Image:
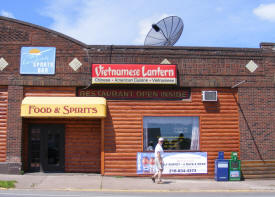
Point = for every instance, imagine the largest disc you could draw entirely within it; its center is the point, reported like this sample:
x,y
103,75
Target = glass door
x,y
46,148
34,149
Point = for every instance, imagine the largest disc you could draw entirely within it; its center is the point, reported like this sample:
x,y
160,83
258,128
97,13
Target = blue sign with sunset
x,y
37,60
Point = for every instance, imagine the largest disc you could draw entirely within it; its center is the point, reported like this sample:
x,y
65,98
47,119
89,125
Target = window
x,y
179,133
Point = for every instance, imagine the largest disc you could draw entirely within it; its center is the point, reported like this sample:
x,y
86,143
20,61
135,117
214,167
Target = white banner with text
x,y
174,163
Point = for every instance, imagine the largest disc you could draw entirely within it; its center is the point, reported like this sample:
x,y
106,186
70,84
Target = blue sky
x,y
212,23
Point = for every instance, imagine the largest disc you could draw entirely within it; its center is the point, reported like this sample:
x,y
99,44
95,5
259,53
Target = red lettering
x,y
67,111
94,110
30,108
34,109
43,110
81,110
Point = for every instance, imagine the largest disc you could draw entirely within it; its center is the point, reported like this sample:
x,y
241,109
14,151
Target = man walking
x,y
158,161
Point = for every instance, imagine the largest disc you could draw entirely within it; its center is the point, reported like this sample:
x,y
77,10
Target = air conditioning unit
x,y
209,96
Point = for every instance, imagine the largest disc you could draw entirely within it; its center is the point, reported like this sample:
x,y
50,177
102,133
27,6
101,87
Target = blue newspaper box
x,y
220,155
221,169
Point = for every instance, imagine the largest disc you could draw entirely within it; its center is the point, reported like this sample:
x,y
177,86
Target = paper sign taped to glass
x,y
174,163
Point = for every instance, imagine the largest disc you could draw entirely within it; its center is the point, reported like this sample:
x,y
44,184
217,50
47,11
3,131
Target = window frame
x,y
168,116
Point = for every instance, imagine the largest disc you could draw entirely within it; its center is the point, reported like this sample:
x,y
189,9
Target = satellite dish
x,y
165,33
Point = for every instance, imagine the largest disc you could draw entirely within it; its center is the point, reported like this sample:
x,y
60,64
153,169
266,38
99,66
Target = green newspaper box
x,y
234,167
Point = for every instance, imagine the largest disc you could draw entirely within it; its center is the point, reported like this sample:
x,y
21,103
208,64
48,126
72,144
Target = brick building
x,y
241,120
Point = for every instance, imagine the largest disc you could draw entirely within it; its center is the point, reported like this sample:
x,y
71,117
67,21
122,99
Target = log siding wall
x,y
82,146
219,128
3,123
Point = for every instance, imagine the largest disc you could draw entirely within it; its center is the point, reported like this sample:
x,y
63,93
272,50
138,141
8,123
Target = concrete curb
x,y
126,184
148,191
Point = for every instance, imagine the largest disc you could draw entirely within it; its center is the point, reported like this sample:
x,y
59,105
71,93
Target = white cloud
x,y
94,22
6,14
145,26
266,12
119,22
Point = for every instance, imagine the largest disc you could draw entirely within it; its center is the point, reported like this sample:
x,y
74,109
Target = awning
x,y
64,107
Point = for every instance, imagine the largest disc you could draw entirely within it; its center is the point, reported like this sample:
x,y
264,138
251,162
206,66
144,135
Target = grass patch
x,y
7,184
119,177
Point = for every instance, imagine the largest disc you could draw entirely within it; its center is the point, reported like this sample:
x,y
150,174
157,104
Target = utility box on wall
x,y
209,96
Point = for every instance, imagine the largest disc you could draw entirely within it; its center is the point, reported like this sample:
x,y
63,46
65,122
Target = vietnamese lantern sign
x,y
133,74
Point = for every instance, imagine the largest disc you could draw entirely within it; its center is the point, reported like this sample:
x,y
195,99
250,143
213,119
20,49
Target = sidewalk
x,y
95,182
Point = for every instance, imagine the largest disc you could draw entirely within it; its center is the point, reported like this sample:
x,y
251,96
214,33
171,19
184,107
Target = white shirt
x,y
158,149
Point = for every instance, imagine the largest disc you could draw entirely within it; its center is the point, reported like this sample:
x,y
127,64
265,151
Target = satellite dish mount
x,y
165,33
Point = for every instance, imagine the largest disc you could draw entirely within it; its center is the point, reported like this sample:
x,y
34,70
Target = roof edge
x,y
267,45
194,48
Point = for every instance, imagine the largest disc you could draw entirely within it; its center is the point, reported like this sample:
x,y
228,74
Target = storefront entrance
x,y
46,147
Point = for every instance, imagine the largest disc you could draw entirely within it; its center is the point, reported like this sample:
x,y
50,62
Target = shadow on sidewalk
x,y
165,182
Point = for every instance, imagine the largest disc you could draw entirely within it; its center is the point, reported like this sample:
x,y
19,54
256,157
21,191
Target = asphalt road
x,y
40,193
